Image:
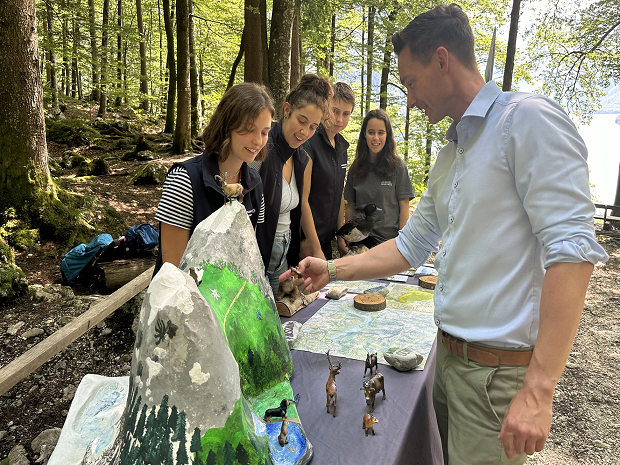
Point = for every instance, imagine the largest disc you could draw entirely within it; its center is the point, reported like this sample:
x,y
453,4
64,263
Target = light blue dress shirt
x,y
508,196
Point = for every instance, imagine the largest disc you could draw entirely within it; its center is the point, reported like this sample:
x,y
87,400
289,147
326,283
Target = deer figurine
x,y
330,387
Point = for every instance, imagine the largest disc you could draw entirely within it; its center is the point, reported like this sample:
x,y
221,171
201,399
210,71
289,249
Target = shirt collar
x,y
341,144
279,142
479,107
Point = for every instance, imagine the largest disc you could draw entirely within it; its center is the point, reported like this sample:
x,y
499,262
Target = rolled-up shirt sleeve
x,y
551,175
421,234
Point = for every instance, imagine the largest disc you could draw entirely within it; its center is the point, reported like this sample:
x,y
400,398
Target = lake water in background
x,y
602,138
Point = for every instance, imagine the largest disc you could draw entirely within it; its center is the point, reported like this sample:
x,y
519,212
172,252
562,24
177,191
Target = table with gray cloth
x,y
407,429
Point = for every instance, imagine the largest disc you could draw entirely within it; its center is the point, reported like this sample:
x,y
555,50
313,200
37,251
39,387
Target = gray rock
x,y
18,456
65,320
2,434
402,358
13,329
33,332
42,294
380,290
291,331
146,155
151,173
44,443
68,392
336,292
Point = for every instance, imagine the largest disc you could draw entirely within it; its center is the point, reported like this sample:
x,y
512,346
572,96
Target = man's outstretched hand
x,y
314,273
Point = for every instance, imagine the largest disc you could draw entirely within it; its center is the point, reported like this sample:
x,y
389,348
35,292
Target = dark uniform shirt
x,y
329,167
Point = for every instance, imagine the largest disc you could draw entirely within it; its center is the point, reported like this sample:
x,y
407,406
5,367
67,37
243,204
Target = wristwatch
x,y
331,270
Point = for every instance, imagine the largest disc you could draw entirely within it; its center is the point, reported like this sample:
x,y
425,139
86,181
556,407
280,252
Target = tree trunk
x,y
74,61
252,43
193,74
363,90
512,45
280,52
406,137
23,149
332,46
201,83
296,48
617,198
93,51
119,53
233,71
429,146
103,97
387,58
52,58
262,7
172,72
371,38
66,88
182,132
144,84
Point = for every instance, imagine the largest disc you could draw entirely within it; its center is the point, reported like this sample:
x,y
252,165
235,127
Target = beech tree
x,y
182,132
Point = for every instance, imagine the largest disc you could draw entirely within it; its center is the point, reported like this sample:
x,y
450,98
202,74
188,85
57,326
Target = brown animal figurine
x,y
284,431
277,412
231,191
330,387
371,388
368,423
371,360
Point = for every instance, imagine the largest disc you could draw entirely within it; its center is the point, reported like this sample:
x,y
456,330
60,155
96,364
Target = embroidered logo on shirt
x,y
386,183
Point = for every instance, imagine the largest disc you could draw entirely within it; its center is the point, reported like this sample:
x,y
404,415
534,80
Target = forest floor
x,y
586,421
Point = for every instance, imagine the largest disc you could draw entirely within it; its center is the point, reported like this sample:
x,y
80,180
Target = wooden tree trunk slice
x,y
369,302
427,282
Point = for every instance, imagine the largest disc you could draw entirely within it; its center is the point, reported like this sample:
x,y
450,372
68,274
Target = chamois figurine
x,y
284,432
368,423
371,360
330,387
231,191
371,388
277,412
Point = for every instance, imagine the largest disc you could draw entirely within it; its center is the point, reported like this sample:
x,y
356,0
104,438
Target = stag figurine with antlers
x,y
330,387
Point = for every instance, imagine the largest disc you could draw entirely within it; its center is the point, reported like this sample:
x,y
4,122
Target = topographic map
x,y
407,321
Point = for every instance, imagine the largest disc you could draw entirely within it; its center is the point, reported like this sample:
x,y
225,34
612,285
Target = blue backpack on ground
x,y
78,262
142,239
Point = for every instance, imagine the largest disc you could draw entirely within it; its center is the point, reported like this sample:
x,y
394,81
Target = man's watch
x,y
331,270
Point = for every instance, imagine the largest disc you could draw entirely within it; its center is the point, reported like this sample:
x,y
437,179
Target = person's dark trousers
x,y
326,247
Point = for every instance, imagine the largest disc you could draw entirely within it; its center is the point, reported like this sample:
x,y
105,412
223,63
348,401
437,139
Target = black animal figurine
x,y
369,421
371,360
371,388
358,229
277,412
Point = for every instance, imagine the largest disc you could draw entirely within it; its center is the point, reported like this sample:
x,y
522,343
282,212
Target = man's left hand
x,y
527,422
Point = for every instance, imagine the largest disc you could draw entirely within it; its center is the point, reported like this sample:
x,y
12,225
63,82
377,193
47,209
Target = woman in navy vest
x,y
282,174
236,135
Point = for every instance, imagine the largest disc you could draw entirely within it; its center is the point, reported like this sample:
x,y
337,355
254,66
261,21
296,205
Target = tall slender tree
x,y
252,42
172,72
144,83
93,51
370,54
193,75
103,96
119,52
280,51
52,58
387,56
512,45
296,48
182,133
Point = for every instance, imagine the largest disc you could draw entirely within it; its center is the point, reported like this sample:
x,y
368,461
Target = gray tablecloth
x,y
407,429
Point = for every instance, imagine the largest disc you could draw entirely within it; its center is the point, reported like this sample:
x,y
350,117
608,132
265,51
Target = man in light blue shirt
x,y
509,198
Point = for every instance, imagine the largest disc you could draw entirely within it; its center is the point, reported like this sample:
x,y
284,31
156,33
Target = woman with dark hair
x,y
282,174
378,176
236,135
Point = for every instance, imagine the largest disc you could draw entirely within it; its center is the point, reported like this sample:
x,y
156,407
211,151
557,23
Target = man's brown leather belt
x,y
486,355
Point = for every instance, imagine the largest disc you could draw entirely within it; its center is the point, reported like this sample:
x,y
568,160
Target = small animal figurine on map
x,y
231,191
284,431
290,286
371,388
330,387
277,412
371,361
368,423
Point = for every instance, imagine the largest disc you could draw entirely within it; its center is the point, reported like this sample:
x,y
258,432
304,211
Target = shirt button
x,y
461,150
437,322
455,184
443,253
451,219
441,287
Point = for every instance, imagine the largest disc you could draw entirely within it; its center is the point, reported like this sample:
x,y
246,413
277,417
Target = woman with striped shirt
x,y
236,135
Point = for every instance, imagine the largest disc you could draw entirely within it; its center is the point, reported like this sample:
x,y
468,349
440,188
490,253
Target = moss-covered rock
x,y
24,239
73,132
12,281
99,166
6,254
67,157
151,173
79,160
55,168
